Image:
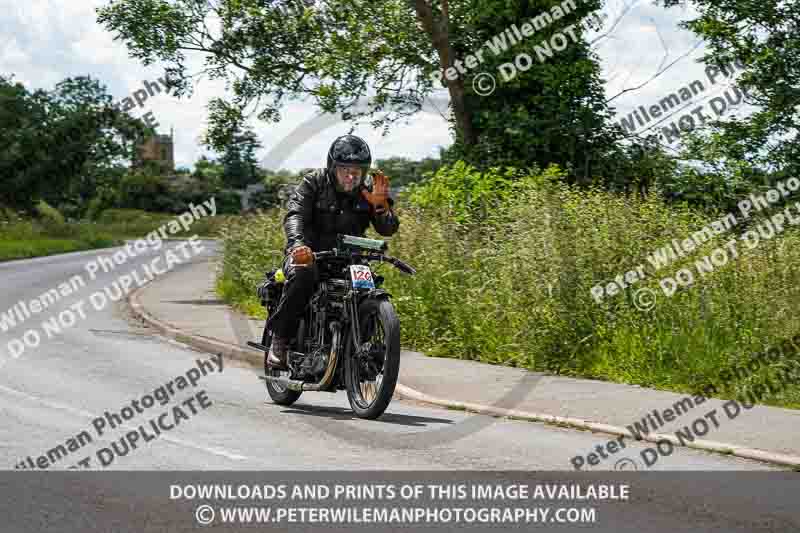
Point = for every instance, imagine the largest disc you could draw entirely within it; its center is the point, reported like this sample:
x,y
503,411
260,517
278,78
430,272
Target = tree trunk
x,y
438,30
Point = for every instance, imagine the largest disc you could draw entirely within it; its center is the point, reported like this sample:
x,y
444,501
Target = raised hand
x,y
379,197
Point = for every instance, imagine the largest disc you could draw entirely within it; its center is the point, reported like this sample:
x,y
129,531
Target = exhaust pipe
x,y
286,383
293,384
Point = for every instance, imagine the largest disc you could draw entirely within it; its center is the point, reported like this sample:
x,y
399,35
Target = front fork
x,y
353,303
355,329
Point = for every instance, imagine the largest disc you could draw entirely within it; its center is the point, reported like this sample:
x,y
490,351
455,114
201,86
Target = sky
x,y
45,41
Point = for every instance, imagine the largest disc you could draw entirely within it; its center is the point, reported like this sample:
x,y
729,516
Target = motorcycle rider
x,y
327,202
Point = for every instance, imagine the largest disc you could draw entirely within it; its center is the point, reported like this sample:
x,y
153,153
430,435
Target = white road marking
x,y
80,412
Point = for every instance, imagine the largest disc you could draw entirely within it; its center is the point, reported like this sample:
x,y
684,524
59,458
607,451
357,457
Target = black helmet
x,y
349,150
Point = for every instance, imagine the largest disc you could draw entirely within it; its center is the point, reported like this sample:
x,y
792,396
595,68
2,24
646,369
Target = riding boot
x,y
277,353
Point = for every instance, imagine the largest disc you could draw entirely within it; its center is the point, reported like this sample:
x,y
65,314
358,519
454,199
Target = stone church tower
x,y
159,149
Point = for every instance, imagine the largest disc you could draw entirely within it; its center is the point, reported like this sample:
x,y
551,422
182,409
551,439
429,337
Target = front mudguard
x,y
352,340
372,293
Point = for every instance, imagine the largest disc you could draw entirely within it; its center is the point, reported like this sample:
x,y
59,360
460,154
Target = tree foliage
x,y
341,52
763,36
239,164
60,146
403,171
552,113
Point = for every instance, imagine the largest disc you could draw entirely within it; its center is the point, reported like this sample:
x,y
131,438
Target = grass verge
x,y
22,239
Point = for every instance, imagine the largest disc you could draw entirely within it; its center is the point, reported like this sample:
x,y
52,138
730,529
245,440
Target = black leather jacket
x,y
317,213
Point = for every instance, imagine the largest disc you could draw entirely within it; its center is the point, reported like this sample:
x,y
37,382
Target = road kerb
x,y
216,346
595,427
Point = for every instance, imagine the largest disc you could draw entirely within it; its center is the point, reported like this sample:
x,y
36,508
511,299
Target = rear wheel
x,y
372,376
279,394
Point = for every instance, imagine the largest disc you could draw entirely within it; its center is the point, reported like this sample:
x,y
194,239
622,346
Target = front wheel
x,y
371,376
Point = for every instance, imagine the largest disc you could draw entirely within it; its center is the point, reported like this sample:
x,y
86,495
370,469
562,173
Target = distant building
x,y
158,149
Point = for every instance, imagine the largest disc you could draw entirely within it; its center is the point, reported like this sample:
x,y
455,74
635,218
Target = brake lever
x,y
399,264
404,267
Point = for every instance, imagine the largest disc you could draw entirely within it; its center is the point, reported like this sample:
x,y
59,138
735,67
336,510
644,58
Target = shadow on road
x,y
340,413
197,302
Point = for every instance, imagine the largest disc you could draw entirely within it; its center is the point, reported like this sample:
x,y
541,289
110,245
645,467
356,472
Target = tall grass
x,y
516,288
20,239
135,223
251,247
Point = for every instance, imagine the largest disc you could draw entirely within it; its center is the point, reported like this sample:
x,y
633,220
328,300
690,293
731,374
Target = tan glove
x,y
379,197
302,256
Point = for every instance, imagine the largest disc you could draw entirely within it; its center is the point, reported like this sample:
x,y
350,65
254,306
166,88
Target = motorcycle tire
x,y
371,312
280,395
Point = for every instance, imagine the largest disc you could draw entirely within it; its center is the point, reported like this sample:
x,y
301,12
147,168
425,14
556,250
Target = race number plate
x,y
362,277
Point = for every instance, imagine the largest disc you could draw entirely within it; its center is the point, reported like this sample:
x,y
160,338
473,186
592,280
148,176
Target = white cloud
x,y
12,54
96,46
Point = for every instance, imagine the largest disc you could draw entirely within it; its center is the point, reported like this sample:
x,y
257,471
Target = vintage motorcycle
x,y
349,335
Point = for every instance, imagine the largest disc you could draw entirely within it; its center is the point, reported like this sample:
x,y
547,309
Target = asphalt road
x,y
53,393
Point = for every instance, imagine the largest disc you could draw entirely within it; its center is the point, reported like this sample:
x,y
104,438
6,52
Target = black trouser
x,y
297,291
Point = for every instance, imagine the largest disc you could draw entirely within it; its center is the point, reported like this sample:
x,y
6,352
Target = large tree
x,y
61,145
339,52
22,115
763,36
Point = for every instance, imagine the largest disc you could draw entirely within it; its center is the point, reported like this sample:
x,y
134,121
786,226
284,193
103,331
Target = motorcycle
x,y
348,337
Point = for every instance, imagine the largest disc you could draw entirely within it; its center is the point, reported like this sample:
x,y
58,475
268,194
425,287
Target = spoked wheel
x,y
371,377
279,394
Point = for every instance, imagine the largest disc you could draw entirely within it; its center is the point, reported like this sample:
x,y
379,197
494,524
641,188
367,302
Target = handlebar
x,y
402,266
323,255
